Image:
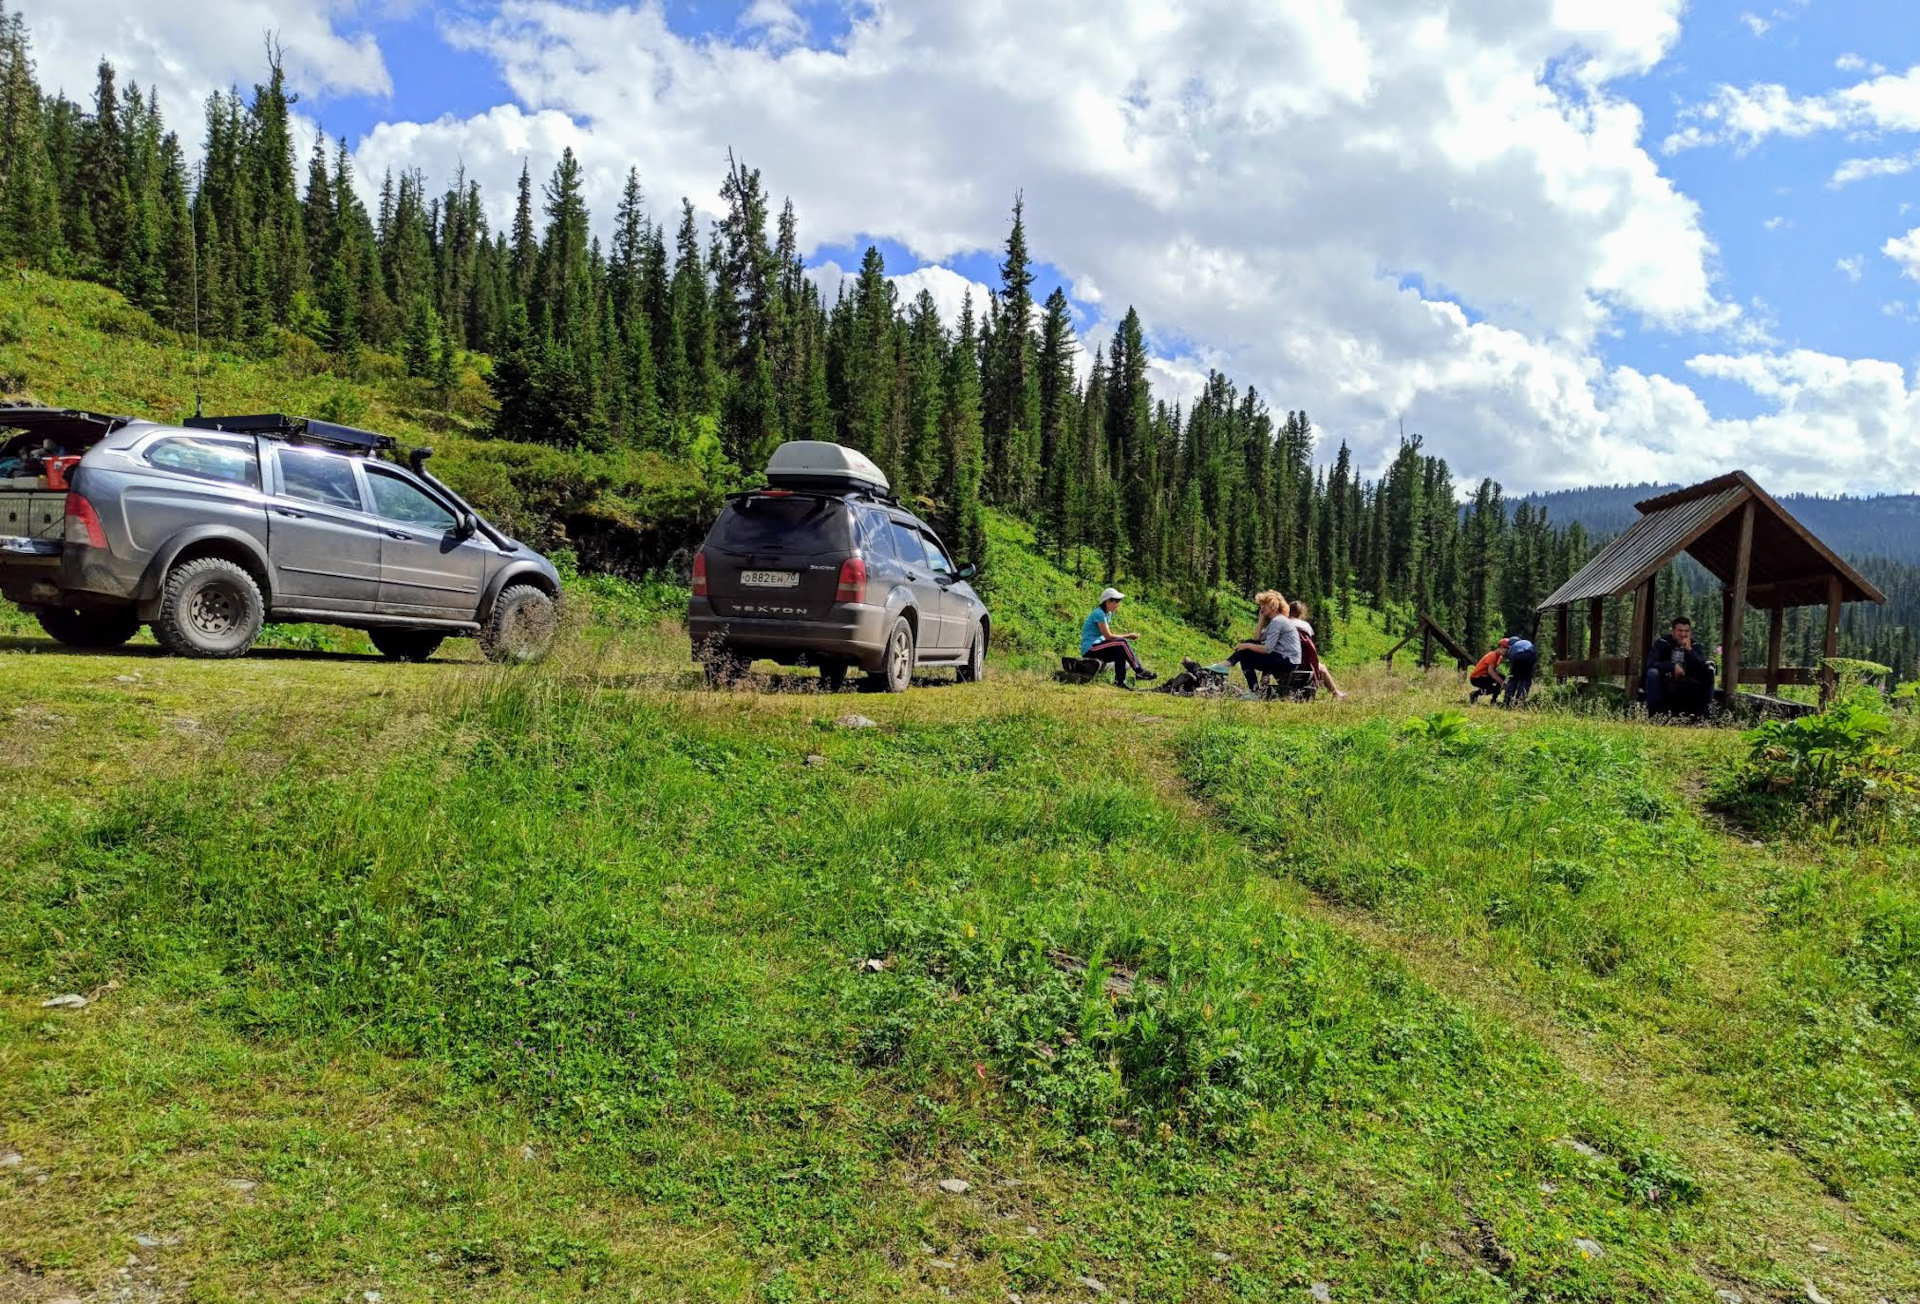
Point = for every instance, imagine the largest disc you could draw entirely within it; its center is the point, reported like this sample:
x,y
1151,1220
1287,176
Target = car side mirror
x,y
469,525
966,572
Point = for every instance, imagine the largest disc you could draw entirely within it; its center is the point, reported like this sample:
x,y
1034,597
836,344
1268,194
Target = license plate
x,y
770,579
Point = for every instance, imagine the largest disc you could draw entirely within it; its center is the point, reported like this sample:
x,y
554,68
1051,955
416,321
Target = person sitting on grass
x,y
1275,649
1679,680
1310,649
1522,660
1100,643
1485,675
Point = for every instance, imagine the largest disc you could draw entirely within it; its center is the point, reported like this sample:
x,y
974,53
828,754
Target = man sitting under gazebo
x,y
1679,680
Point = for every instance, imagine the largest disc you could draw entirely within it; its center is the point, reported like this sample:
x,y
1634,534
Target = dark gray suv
x,y
824,568
207,529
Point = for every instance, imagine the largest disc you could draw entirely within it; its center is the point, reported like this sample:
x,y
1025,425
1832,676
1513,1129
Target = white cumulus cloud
x,y
189,50
1905,251
1745,116
1863,169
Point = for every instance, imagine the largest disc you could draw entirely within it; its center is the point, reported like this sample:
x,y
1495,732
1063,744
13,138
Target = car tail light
x,y
853,581
83,523
699,574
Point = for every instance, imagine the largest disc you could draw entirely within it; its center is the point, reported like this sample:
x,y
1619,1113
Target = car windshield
x,y
793,524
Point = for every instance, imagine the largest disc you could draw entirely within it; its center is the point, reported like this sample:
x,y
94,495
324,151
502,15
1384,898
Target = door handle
x,y
399,534
913,577
288,511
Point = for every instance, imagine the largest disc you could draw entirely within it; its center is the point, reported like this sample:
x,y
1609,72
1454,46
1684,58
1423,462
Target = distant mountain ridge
x,y
1881,526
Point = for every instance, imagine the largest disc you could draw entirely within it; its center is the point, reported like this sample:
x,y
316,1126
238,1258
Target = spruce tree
x,y
103,175
961,516
1011,395
696,382
30,228
1059,403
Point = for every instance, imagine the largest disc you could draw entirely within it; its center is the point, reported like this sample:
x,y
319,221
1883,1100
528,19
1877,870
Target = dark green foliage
x,y
1845,770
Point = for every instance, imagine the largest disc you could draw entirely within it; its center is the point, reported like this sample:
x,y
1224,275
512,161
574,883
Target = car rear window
x,y
791,524
207,459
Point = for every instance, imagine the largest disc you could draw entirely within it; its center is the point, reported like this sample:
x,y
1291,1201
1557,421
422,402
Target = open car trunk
x,y
39,447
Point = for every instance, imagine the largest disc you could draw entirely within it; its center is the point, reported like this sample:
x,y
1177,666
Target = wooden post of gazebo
x,y
1640,639
1735,633
1830,642
1776,637
1596,627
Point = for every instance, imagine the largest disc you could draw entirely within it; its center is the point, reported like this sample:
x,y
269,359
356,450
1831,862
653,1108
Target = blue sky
x,y
1565,243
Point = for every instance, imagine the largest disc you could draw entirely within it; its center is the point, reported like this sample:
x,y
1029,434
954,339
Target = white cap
x,y
1113,595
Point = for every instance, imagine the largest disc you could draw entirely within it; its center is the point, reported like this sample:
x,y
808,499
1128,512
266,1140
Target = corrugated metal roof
x,y
1647,545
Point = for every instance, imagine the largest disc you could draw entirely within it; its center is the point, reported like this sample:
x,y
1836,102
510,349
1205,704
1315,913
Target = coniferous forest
x,y
705,344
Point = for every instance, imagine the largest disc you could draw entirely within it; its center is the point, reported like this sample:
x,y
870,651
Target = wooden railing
x,y
1591,668
1800,676
1616,668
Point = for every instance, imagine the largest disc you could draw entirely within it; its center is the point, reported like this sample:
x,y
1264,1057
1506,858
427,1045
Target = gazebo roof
x,y
1789,567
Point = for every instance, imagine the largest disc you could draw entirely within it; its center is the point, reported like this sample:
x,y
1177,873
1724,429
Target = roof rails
x,y
299,430
832,492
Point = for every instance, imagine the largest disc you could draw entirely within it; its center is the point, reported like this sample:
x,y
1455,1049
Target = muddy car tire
x,y
974,668
895,674
209,608
88,629
406,644
521,627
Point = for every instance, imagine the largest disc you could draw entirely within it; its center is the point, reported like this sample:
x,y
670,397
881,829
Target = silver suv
x,y
208,529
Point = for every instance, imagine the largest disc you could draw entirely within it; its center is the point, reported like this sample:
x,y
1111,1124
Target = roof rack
x,y
298,430
830,492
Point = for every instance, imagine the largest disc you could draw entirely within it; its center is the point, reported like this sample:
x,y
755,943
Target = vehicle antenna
x,y
193,270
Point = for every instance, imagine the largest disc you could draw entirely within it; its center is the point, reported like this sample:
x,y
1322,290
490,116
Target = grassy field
x,y
582,981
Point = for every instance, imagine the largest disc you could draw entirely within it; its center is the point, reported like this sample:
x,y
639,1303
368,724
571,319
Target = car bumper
x,y
851,631
98,573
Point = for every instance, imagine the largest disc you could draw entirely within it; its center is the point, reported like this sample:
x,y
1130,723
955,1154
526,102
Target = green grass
x,y
634,924
381,933
1568,858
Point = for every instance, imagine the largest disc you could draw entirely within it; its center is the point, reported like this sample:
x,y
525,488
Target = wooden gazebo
x,y
1750,543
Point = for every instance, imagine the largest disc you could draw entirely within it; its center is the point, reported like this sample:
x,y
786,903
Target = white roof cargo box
x,y
814,463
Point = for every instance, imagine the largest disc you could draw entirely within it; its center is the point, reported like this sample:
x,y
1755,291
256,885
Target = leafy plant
x,y
1841,766
1447,732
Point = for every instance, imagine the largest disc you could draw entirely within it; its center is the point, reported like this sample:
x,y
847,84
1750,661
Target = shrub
x,y
1842,768
1446,732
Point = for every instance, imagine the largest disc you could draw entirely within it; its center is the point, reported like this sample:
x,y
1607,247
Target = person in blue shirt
x,y
1522,660
1099,642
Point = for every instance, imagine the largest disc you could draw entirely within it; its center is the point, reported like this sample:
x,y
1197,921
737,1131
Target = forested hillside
x,y
678,353
1887,525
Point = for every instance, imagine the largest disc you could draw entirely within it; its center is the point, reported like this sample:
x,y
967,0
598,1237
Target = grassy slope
x,y
544,983
1038,608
